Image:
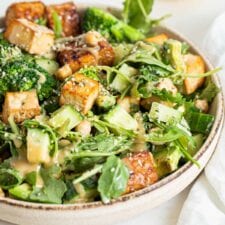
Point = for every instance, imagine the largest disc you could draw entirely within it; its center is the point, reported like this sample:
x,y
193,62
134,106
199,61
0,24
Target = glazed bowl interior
x,y
216,110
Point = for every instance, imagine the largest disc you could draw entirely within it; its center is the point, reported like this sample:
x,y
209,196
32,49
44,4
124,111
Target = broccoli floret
x,y
8,51
109,26
24,74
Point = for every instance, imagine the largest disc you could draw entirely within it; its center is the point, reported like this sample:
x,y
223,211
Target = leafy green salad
x,y
95,106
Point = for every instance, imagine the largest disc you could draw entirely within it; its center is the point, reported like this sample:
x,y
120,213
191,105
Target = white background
x,y
192,18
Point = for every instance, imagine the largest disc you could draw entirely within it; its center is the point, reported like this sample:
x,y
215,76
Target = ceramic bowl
x,y
96,213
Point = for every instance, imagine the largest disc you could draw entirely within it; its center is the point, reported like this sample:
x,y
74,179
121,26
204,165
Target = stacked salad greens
x,y
144,106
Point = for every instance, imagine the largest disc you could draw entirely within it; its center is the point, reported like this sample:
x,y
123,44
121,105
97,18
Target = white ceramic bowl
x,y
25,213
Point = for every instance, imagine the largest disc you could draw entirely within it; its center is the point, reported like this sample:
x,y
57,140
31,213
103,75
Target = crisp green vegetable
x,y
121,50
167,160
54,188
23,75
22,192
105,100
200,122
65,119
209,92
160,136
38,146
136,13
41,21
161,113
45,129
173,54
139,119
8,51
9,178
119,117
109,26
113,180
58,29
51,66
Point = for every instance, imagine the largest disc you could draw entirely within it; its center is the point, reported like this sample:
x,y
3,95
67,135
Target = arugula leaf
x,y
102,143
53,189
57,21
161,136
113,180
88,174
136,13
169,96
144,56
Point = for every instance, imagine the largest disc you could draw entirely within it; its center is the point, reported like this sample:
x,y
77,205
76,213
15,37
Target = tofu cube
x,y
29,36
21,105
195,65
142,170
97,51
69,17
158,39
80,91
31,11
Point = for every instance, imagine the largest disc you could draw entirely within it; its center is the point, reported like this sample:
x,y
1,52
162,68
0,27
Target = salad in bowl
x,y
95,106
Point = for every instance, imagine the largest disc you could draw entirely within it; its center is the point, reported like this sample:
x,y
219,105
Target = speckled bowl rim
x,y
219,114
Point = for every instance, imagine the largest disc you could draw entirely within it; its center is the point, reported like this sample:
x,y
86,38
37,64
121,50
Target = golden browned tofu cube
x,y
195,65
142,171
89,50
80,91
158,39
76,60
31,11
29,36
21,105
69,17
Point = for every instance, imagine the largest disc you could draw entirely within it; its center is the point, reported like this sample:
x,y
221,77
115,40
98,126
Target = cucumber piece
x,y
161,113
22,192
120,83
127,70
38,146
119,117
65,119
49,65
200,122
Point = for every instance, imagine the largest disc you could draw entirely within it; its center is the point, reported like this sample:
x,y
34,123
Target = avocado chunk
x,y
167,161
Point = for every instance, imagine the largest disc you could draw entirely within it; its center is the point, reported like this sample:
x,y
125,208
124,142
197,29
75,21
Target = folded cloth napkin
x,y
205,204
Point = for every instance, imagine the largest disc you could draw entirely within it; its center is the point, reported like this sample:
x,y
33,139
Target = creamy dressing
x,y
23,166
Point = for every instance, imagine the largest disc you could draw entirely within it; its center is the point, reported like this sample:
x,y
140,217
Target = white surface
x,y
192,18
206,201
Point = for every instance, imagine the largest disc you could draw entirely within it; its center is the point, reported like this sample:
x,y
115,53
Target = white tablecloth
x,y
192,18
